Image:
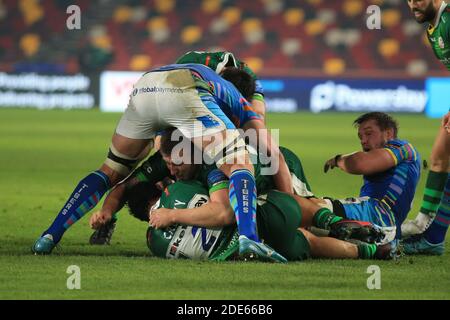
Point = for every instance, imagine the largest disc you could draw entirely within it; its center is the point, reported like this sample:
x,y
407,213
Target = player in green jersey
x,y
219,61
154,169
437,14
279,217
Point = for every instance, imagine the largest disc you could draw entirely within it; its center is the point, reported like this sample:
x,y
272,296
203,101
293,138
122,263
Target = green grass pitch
x,y
45,153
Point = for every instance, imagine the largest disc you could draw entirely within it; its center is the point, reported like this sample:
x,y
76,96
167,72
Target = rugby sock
x,y
433,192
366,250
242,193
85,196
436,232
324,218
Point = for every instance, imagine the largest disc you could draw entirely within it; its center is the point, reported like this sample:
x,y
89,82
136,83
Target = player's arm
x,y
259,106
113,203
216,213
282,177
152,170
374,161
364,163
257,101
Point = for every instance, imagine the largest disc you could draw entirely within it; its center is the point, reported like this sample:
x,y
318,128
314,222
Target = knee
x,y
439,163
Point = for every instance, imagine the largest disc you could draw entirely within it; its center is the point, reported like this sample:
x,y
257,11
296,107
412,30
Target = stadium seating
x,y
274,35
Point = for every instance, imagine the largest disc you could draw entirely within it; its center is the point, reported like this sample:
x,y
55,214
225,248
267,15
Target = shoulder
x,y
402,150
445,17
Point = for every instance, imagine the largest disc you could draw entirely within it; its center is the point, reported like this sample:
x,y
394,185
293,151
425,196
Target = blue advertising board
x,y
318,95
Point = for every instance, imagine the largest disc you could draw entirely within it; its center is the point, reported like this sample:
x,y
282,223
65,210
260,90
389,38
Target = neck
x,y
436,6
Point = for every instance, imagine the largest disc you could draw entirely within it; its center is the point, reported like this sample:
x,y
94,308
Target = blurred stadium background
x,y
311,54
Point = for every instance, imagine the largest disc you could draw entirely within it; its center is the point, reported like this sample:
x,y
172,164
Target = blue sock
x,y
436,232
242,194
85,196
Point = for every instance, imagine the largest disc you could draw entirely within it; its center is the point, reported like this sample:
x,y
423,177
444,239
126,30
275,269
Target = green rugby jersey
x,y
439,35
154,169
189,242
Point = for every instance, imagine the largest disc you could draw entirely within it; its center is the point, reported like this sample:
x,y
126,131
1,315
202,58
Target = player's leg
x,y
299,181
327,247
434,188
200,119
335,223
122,157
432,240
278,218
228,150
130,141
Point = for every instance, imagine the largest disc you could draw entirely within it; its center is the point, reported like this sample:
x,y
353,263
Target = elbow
x,y
227,217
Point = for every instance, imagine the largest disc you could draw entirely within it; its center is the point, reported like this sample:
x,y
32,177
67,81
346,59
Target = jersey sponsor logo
x,y
441,43
176,243
197,201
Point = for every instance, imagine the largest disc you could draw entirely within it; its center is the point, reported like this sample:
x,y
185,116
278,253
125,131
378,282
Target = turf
x,y
45,153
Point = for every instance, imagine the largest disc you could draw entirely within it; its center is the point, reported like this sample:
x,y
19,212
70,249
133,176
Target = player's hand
x,y
98,219
161,218
331,163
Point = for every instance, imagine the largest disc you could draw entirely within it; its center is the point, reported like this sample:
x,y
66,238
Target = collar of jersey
x,y
438,18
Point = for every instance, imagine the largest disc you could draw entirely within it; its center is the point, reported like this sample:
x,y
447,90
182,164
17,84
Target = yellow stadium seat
x,y
388,47
30,43
353,8
314,27
294,17
390,18
251,24
164,6
211,6
254,63
334,66
122,14
377,2
31,10
191,34
157,23
140,62
103,42
315,2
232,15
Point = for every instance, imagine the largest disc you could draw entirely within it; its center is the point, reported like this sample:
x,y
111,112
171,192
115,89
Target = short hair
x,y
166,144
138,197
243,81
384,121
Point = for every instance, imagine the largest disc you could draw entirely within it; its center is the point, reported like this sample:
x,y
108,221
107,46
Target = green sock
x,y
434,189
366,250
324,218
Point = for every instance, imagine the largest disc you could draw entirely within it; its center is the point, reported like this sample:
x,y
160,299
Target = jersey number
x,y
205,245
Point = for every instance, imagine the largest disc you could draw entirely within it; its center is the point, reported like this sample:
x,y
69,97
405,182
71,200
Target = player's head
x,y
375,129
178,153
423,10
140,198
241,80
